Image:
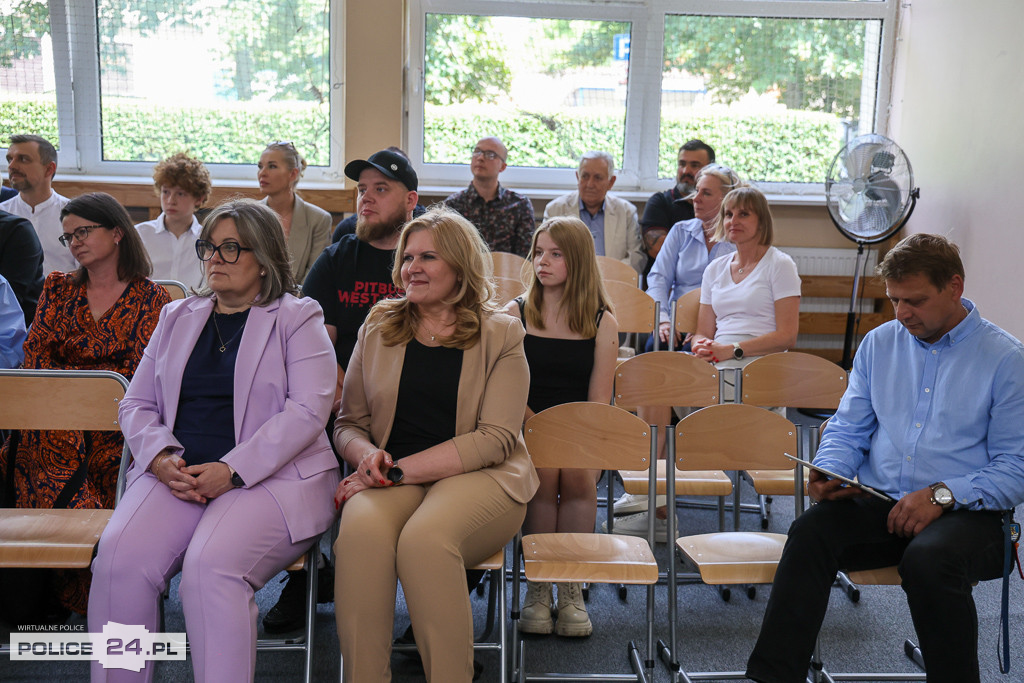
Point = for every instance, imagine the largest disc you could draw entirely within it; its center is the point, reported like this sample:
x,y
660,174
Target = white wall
x,y
957,112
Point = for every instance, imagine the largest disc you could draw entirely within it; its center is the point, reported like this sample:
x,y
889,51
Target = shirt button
x,y
909,458
934,352
918,425
927,390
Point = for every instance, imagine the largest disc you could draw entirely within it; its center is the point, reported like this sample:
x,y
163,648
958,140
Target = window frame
x,y
77,85
638,167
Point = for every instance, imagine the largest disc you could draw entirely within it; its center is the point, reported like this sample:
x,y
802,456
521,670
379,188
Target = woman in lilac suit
x,y
233,473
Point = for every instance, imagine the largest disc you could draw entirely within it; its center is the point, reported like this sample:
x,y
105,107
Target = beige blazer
x,y
493,388
310,234
621,228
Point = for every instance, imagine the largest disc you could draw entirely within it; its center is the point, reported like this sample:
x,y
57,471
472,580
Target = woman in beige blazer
x,y
430,420
307,228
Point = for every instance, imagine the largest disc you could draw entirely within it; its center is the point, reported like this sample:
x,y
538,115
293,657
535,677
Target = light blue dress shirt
x,y
595,224
915,414
12,328
681,262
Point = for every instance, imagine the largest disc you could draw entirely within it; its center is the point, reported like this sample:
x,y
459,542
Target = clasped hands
x,y
196,483
371,473
711,351
909,517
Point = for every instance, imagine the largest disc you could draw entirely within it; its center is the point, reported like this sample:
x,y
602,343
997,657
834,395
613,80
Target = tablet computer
x,y
846,480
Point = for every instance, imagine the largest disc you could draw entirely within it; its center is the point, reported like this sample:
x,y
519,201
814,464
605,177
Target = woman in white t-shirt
x,y
749,300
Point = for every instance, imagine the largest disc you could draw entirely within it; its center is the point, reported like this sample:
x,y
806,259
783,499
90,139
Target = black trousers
x,y
938,568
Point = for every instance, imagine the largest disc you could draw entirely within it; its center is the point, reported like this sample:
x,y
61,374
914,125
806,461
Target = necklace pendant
x,y
223,349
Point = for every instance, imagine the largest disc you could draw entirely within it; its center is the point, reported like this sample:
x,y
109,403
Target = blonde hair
x,y
730,181
291,157
751,199
459,244
584,293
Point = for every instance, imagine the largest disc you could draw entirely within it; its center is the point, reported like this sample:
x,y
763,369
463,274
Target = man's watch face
x,y
942,496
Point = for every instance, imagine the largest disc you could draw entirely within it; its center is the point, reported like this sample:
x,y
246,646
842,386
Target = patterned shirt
x,y
506,222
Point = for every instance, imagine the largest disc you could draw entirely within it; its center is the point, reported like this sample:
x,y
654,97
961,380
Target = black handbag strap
x,y
7,494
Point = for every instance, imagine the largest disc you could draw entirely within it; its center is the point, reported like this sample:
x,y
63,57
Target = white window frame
x,y
638,175
77,79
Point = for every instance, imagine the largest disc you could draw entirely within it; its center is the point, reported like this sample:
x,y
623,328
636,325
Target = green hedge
x,y
786,147
232,134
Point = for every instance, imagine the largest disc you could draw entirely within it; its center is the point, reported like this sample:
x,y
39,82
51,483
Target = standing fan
x,y
870,194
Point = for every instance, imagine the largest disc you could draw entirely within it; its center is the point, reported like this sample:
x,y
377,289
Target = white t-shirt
x,y
748,308
174,258
45,218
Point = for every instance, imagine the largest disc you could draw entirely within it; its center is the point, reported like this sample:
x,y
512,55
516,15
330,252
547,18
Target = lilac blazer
x,y
285,376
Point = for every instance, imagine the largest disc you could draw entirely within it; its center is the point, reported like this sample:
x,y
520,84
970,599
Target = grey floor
x,y
714,635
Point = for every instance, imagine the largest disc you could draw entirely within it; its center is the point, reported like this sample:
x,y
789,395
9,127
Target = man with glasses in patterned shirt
x,y
503,217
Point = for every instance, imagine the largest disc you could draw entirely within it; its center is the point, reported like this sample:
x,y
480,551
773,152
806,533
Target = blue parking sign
x,y
621,47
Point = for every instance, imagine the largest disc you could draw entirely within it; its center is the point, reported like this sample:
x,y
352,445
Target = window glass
x,y
551,89
28,93
217,78
775,98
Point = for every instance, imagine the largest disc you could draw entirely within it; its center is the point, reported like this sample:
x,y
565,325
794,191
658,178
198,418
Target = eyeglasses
x,y
486,154
229,251
79,233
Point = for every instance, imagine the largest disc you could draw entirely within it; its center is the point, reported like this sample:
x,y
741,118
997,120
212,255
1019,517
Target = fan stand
x,y
851,316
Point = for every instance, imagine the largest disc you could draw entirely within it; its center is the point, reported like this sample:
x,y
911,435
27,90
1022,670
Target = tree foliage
x,y
815,64
22,29
464,62
581,43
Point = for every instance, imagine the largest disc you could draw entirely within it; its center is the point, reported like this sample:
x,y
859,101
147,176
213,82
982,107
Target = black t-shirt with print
x,y
347,279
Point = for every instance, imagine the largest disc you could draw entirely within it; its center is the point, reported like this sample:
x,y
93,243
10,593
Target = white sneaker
x,y
535,616
573,620
631,503
636,525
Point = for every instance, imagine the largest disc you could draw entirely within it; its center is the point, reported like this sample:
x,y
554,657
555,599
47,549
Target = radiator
x,y
818,261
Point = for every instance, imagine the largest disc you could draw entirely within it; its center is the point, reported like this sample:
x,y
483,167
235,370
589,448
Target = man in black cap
x,y
347,279
347,226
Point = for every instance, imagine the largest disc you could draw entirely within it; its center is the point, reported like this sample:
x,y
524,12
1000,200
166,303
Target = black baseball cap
x,y
391,164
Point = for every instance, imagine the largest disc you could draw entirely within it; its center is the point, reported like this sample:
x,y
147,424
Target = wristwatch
x,y
942,496
236,480
395,475
737,352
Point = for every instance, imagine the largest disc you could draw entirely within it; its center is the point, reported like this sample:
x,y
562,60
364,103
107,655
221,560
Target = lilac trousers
x,y
225,550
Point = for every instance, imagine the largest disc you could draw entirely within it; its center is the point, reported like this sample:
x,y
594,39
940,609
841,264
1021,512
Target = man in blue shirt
x,y
932,416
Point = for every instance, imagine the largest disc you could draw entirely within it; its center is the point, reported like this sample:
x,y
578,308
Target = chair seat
x,y
774,482
495,561
883,576
734,557
298,565
693,483
58,539
596,558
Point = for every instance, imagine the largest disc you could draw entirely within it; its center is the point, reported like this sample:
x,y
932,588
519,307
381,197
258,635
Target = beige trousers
x,y
425,537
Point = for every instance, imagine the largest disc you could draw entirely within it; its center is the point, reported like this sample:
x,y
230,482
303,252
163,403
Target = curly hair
x,y
188,173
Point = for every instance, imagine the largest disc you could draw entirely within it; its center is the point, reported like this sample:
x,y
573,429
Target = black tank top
x,y
560,369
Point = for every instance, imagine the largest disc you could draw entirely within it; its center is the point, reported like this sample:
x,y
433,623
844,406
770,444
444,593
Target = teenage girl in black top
x,y
571,346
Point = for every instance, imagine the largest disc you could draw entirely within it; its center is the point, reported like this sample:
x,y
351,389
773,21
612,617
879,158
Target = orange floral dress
x,y
64,335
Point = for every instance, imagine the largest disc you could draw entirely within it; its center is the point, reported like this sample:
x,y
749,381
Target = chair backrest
x,y
88,401
508,265
685,312
60,399
634,309
666,378
613,269
508,288
589,436
735,437
793,380
175,289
